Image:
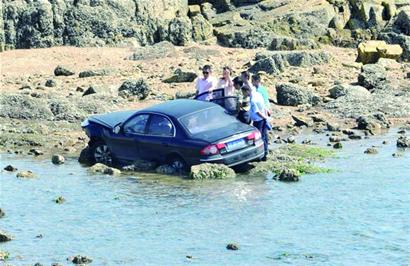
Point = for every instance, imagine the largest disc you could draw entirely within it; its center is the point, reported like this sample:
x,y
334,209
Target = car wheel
x,y
178,164
101,153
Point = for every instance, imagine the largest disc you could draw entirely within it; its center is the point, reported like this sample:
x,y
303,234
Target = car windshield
x,y
206,120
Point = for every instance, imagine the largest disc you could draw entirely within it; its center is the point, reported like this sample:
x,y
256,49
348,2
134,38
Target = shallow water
x,y
356,215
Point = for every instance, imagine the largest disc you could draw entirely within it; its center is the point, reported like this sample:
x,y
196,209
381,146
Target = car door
x,y
126,144
158,141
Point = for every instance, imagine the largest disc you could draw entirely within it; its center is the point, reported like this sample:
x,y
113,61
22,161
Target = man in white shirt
x,y
205,86
258,115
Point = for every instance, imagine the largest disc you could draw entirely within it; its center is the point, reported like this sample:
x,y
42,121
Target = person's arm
x,y
259,113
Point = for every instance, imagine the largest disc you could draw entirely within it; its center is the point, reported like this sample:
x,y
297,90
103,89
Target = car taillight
x,y
212,149
255,135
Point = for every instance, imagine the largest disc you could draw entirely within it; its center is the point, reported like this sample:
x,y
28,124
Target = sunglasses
x,y
205,72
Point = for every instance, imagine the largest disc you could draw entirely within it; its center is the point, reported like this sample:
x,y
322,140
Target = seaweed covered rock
x,y
289,175
294,95
211,171
138,88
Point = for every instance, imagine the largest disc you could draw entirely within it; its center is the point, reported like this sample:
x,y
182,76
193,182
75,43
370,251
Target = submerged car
x,y
179,132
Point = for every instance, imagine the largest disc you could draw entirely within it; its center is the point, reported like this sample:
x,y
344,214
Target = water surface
x,y
357,215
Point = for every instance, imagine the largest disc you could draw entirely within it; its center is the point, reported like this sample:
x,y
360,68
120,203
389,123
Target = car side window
x,y
137,124
160,126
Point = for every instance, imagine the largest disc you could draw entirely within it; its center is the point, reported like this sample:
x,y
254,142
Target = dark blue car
x,y
180,133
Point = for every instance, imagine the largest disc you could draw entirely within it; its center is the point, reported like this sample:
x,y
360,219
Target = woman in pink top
x,y
225,82
206,85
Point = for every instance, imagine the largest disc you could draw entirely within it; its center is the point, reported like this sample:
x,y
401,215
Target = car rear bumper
x,y
248,154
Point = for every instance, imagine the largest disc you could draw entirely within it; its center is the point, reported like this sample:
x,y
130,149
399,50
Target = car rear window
x,y
205,120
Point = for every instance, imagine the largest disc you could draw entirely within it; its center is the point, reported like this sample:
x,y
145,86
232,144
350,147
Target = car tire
x,y
100,153
178,163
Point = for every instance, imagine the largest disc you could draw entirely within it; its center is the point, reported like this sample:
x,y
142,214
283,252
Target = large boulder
x,y
343,90
138,88
211,171
179,31
294,95
402,23
282,43
372,76
369,52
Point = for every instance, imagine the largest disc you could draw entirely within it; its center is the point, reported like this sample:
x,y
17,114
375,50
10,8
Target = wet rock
x,y
2,213
63,71
103,169
181,76
25,174
60,200
332,126
80,259
232,246
36,152
354,137
166,170
367,123
338,145
10,168
141,165
4,237
335,139
372,76
307,141
38,264
211,171
302,121
4,255
138,88
348,132
290,140
56,264
293,95
90,90
57,159
371,150
385,142
94,73
51,83
289,175
403,142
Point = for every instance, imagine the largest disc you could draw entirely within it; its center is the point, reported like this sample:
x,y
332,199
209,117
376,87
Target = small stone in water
x,y
371,151
60,200
232,246
338,145
10,168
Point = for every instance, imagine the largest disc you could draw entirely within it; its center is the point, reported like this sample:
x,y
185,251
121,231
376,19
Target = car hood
x,y
223,133
111,119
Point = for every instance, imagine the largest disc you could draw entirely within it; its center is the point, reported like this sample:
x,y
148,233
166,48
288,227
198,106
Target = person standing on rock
x,y
205,85
259,116
225,82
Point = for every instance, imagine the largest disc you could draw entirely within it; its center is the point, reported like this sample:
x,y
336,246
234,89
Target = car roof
x,y
180,107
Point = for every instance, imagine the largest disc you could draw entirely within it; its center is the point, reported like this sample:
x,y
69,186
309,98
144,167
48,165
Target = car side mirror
x,y
117,129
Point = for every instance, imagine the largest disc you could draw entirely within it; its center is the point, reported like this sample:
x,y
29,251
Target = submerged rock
x,y
338,145
103,169
4,237
80,259
232,246
403,142
211,171
371,150
57,159
141,165
25,174
60,200
289,175
2,213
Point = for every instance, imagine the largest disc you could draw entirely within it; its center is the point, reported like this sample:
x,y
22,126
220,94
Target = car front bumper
x,y
245,155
